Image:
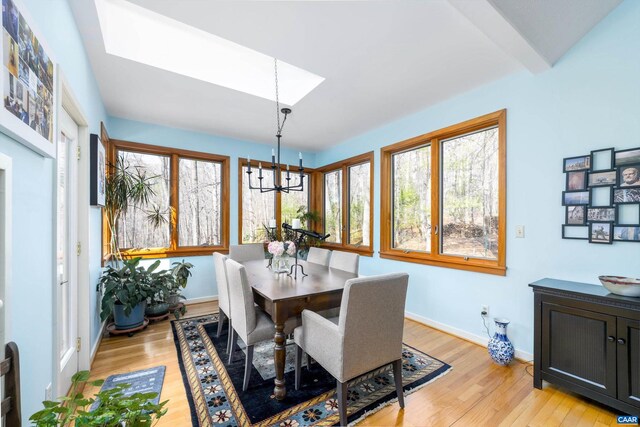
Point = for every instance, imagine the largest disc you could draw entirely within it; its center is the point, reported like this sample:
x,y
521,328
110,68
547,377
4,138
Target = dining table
x,y
284,296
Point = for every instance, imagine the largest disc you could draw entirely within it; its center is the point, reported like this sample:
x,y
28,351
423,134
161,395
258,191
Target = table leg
x,y
279,355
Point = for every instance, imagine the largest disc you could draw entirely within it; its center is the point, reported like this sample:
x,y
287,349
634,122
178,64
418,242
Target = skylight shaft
x,y
138,34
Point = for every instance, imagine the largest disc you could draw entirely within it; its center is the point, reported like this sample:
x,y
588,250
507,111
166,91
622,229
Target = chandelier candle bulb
x,y
272,223
295,224
248,165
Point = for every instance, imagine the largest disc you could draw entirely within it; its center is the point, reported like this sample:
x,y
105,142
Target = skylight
x,y
138,34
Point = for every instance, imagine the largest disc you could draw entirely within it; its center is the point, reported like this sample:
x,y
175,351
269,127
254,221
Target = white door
x,y
5,253
66,253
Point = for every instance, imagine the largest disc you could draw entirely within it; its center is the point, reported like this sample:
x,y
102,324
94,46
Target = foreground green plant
x,y
114,408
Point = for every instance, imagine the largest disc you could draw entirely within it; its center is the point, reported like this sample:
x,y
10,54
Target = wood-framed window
x,y
443,197
256,209
190,200
345,201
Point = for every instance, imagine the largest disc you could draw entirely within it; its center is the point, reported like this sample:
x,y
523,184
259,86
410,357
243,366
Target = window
x,y
259,208
187,214
443,197
347,195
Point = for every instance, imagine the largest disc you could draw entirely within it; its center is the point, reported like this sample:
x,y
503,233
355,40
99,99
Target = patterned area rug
x,y
214,387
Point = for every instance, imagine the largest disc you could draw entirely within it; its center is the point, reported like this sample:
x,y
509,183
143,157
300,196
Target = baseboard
x,y
521,355
200,299
94,349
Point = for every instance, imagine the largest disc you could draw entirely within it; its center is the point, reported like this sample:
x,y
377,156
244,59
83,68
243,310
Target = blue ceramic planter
x,y
500,348
133,320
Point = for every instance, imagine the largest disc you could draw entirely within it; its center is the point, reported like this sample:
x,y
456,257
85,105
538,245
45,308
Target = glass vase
x,y
281,264
500,348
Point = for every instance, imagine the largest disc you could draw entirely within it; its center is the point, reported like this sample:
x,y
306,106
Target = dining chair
x,y
248,252
224,308
250,323
366,336
319,256
346,261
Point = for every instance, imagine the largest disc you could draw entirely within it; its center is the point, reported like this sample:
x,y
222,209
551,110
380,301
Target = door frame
x,y
5,244
68,101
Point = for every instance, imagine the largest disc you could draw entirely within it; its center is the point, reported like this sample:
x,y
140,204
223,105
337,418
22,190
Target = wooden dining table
x,y
284,297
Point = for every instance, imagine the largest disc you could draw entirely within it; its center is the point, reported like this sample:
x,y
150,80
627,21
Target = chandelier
x,y
275,161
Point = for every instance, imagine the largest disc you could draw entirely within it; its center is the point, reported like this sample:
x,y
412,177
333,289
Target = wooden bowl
x,y
625,286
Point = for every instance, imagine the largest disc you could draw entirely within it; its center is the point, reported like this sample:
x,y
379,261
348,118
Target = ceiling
x,y
381,60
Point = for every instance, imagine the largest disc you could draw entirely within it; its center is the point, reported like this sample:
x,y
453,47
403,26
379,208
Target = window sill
x,y
364,251
169,253
471,265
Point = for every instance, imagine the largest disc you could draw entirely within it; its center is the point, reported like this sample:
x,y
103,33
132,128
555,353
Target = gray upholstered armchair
x,y
223,294
247,252
367,335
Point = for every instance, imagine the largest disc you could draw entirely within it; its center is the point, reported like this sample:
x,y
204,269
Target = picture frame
x,y
627,157
602,178
573,198
97,171
629,176
601,232
578,163
603,159
593,198
622,196
626,233
29,82
601,214
572,232
576,180
575,215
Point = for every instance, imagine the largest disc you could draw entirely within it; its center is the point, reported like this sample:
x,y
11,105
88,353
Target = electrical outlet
x,y
520,231
484,310
48,394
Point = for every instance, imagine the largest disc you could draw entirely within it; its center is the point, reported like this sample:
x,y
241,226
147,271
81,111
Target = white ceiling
x,y
381,60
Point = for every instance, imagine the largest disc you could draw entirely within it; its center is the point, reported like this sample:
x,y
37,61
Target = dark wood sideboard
x,y
587,340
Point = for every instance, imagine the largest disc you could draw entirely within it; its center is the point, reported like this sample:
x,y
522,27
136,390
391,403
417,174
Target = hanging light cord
x,y
275,64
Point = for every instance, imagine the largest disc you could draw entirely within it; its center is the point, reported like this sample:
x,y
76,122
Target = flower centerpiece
x,y
281,251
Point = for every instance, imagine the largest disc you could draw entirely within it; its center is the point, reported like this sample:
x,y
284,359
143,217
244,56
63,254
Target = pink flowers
x,y
277,248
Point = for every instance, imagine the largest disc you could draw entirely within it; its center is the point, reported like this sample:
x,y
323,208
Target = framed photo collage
x,y
602,196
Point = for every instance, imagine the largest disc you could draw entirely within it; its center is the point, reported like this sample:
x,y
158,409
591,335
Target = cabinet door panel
x,y
629,361
577,349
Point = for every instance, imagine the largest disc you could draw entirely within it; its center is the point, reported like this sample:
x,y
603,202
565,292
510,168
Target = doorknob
x,y
621,341
611,338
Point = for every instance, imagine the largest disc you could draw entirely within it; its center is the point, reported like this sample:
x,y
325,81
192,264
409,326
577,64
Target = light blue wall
x,y
32,266
203,284
589,100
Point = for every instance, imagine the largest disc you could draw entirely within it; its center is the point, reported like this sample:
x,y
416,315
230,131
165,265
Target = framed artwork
x,y
627,157
98,170
601,197
602,159
575,232
601,232
626,233
576,180
601,214
29,82
575,215
623,196
603,178
629,176
572,198
580,163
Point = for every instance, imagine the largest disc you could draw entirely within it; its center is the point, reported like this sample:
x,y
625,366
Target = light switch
x,y
520,231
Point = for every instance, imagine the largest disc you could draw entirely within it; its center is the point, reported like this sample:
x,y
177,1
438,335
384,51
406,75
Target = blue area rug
x,y
144,381
214,387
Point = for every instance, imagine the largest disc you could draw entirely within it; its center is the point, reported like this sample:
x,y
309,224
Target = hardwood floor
x,y
476,392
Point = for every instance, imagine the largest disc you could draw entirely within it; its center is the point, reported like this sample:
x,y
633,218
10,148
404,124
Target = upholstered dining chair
x,y
248,252
224,308
346,261
367,335
319,256
250,323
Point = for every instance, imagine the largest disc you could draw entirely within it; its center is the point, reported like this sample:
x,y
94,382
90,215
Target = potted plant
x,y
114,409
180,273
125,293
161,282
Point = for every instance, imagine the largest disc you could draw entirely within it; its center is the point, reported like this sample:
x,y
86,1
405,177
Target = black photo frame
x,y
631,233
627,157
601,232
611,214
624,172
567,226
575,215
576,181
571,198
591,198
611,162
578,163
602,178
625,196
97,171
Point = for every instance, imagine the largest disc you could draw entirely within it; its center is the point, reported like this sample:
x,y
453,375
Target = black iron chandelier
x,y
275,162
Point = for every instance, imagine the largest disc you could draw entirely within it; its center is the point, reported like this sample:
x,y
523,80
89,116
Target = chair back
x,y
346,261
372,321
249,252
221,282
240,299
319,256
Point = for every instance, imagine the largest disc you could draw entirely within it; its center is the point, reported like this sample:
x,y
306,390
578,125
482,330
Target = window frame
x,y
242,162
435,139
174,154
344,166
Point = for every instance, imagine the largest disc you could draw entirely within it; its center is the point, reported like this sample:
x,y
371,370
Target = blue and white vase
x,y
500,348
